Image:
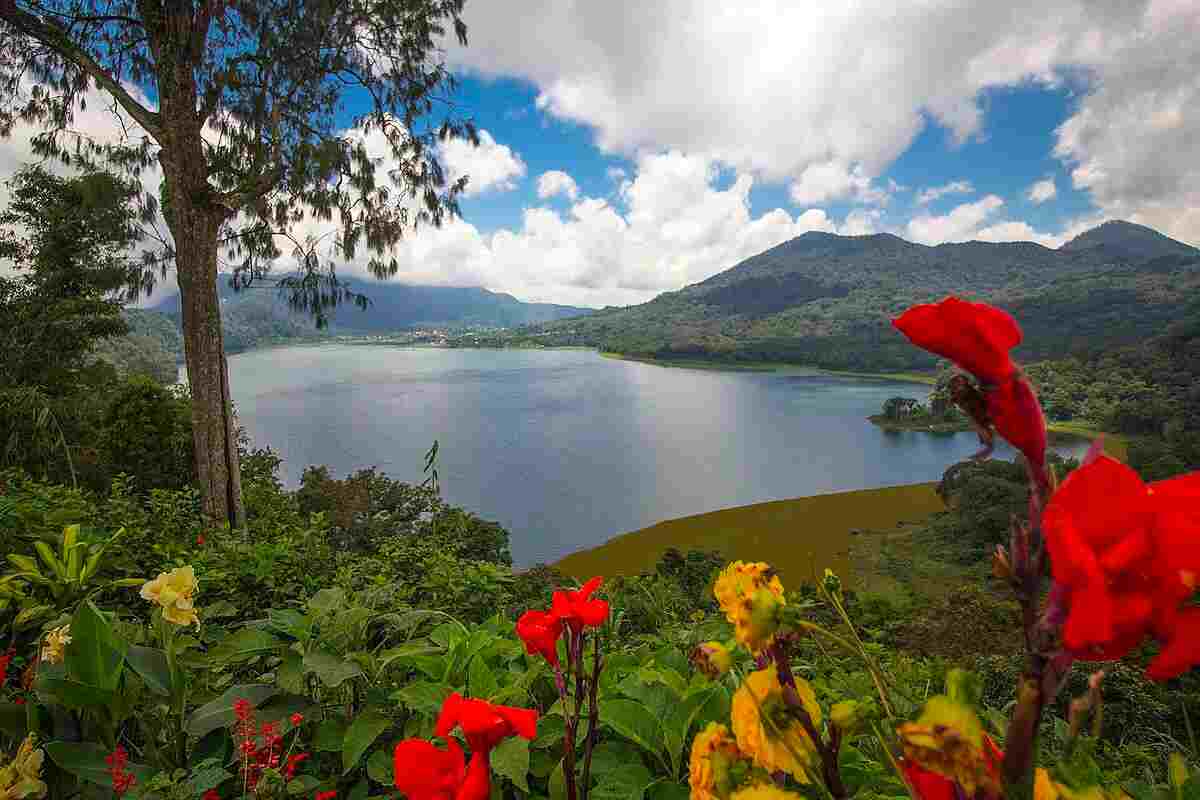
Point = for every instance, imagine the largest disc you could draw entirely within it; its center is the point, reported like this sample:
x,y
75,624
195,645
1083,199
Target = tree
x,y
242,104
68,239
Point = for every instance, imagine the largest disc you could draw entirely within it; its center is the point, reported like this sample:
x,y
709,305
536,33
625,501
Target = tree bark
x,y
195,228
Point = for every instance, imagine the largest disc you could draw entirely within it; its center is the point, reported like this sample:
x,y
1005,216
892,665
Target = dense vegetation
x,y
825,300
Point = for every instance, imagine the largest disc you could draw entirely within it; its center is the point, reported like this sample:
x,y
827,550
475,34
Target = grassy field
x,y
800,537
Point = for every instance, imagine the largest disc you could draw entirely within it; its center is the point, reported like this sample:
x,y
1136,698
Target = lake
x,y
567,448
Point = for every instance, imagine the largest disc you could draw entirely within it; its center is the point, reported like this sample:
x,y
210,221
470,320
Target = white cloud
x,y
556,182
774,87
1042,191
1133,142
929,194
832,180
960,224
489,166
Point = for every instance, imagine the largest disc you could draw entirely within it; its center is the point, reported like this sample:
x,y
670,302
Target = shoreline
x,y
926,379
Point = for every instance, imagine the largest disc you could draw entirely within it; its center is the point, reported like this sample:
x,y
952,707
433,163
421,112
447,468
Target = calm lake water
x,y
566,448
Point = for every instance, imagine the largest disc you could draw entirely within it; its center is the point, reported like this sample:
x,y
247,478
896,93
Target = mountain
x,y
827,300
259,314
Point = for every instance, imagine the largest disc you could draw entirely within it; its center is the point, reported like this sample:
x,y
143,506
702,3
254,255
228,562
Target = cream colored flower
x,y
54,645
22,778
175,591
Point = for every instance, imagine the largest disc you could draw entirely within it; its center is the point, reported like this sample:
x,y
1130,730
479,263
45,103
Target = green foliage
x,y
147,429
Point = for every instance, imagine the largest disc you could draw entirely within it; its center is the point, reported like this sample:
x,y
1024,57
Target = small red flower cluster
x,y
200,540
211,794
329,794
978,337
1128,557
5,660
255,757
122,779
425,772
541,630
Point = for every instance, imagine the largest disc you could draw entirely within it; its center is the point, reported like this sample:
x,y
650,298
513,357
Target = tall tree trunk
x,y
194,229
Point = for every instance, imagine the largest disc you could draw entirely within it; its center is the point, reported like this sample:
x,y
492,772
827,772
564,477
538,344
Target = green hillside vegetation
x,y
153,347
825,300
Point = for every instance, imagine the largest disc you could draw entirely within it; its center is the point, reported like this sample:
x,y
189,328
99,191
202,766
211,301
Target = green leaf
x,y
330,735
205,778
332,670
678,723
218,713
480,680
558,783
326,600
246,643
360,790
13,720
379,767
409,650
423,697
611,756
151,666
510,759
363,732
289,675
627,782
86,762
31,614
95,655
290,622
302,785
634,722
73,694
668,790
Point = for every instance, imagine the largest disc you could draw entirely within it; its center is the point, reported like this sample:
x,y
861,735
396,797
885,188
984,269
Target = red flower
x,y
423,772
577,609
926,785
540,631
326,795
976,336
211,794
242,709
20,701
293,763
485,725
122,779
200,540
296,719
5,660
1128,555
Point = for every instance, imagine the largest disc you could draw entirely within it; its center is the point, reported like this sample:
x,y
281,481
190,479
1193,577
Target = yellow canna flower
x,y
715,754
54,645
175,591
1046,788
21,779
764,791
948,739
765,729
751,597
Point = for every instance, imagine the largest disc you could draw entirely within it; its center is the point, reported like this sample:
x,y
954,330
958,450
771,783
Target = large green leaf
x,y
480,680
86,762
246,643
218,713
407,650
151,666
558,783
73,694
510,759
326,600
627,782
423,697
379,767
95,655
361,734
634,722
679,720
332,670
331,735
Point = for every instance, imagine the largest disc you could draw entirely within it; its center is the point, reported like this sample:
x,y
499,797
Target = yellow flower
x,y
55,644
751,597
22,778
711,769
713,659
765,729
948,739
846,716
764,791
1046,788
175,592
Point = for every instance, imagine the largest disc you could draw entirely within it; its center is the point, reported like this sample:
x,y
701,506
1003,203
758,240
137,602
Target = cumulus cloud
x,y
1133,143
959,224
825,182
490,166
1042,191
931,193
556,182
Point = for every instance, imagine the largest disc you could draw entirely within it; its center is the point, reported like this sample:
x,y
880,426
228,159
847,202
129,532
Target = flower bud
x,y
713,659
1001,565
846,716
832,583
765,608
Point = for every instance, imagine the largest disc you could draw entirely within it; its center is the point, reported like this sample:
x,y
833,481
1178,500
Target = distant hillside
x,y
827,300
259,315
153,346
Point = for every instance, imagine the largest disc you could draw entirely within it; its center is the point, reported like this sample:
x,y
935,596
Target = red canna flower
x,y
5,660
577,609
1128,556
926,785
975,336
485,725
423,772
211,794
540,630
326,795
978,337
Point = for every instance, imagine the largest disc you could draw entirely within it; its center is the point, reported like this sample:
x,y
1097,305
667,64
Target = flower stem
x,y
593,717
830,773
